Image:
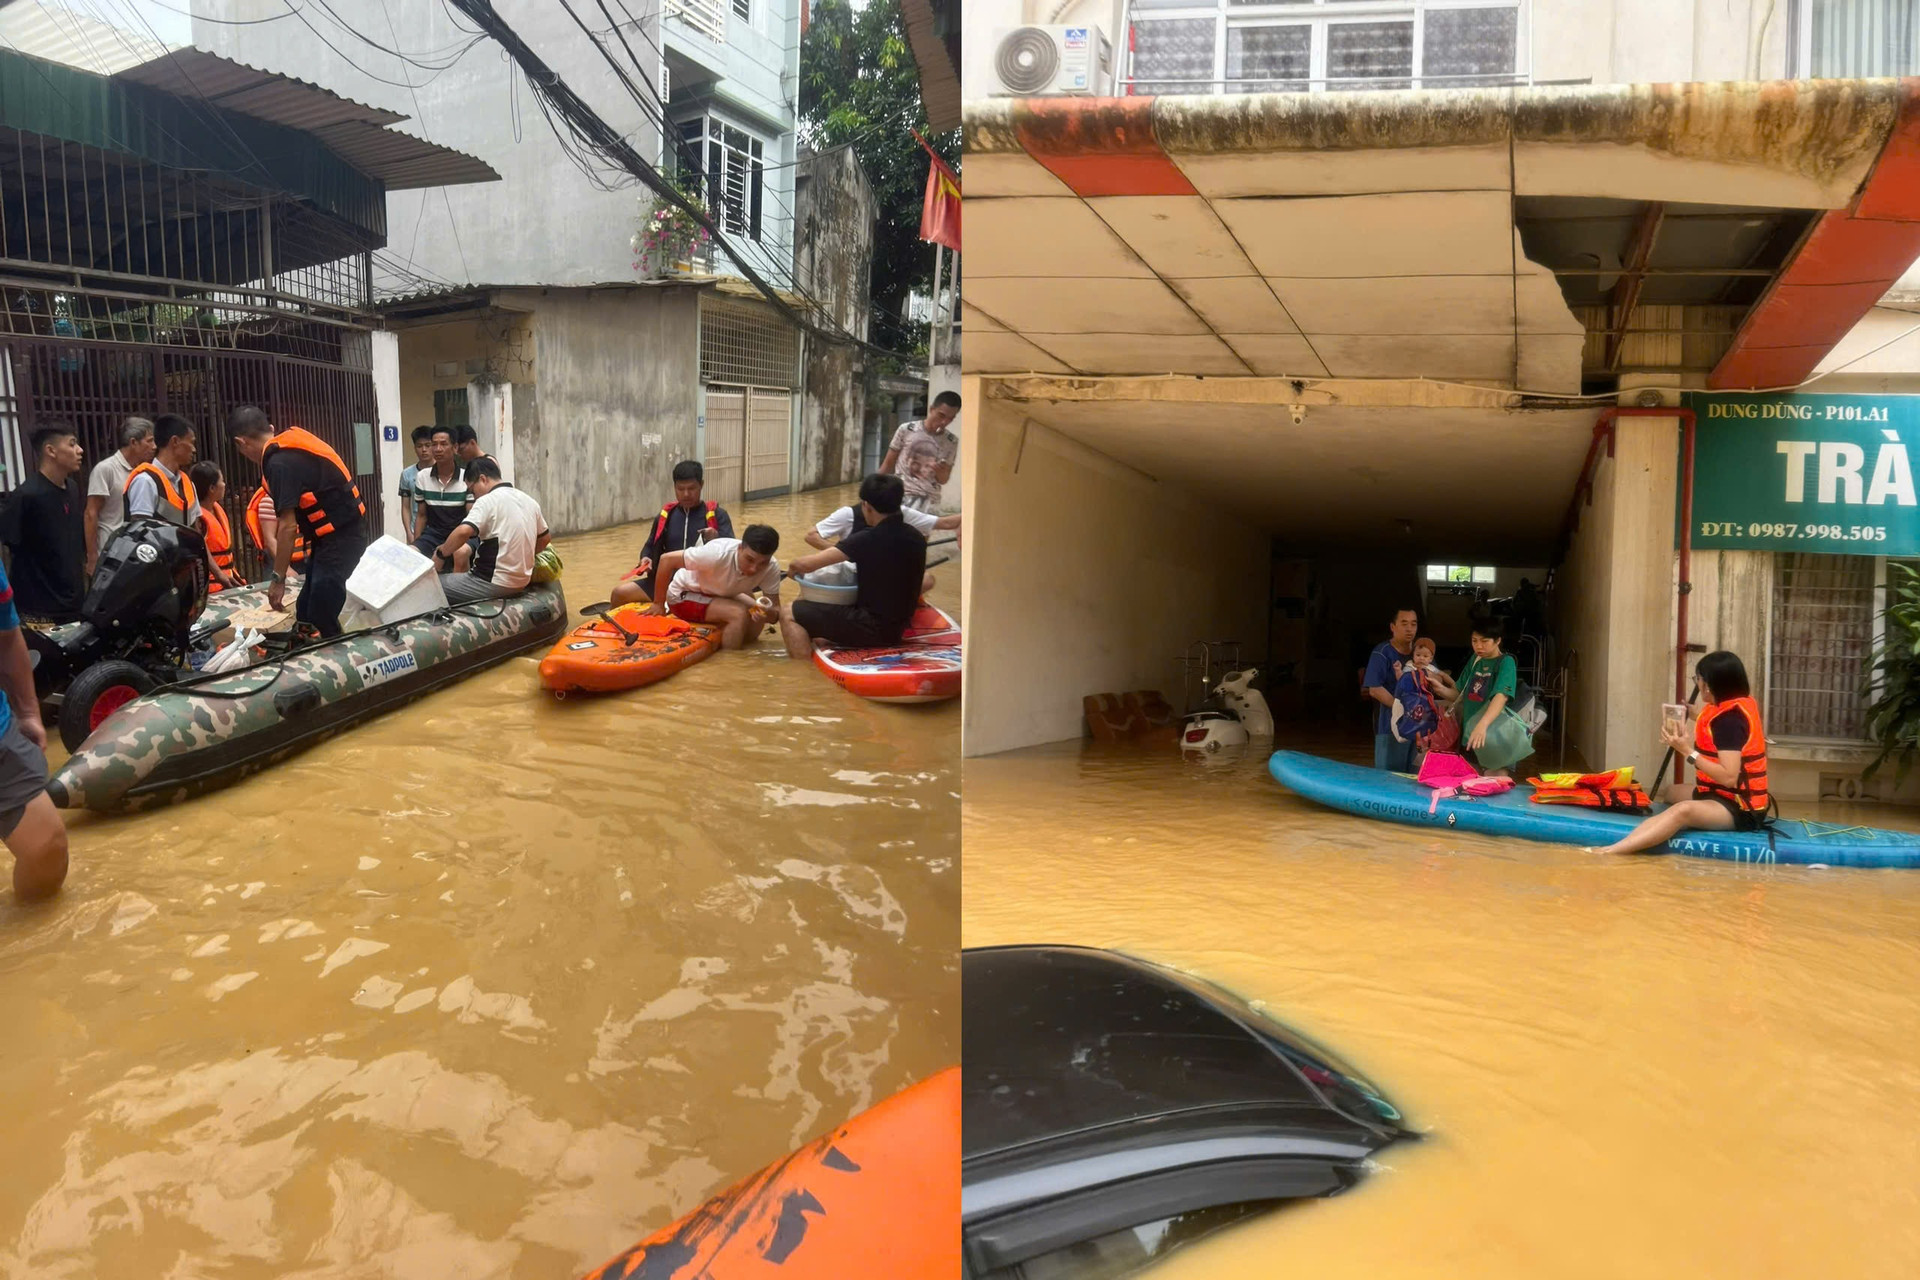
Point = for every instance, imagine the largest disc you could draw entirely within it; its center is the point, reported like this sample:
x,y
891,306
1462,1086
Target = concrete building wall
x,y
833,260
1605,41
544,223
500,347
1615,600
758,90
1064,556
617,403
1656,41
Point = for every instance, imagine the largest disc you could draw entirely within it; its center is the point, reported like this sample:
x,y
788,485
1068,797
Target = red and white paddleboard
x,y
923,667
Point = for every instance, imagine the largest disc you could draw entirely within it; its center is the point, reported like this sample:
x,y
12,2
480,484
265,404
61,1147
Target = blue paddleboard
x,y
1395,797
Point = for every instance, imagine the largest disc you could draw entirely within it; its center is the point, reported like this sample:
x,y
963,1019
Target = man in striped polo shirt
x,y
440,495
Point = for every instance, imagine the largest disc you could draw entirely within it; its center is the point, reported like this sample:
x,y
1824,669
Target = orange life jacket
x,y
181,498
1628,799
660,525
255,532
1749,791
219,531
316,516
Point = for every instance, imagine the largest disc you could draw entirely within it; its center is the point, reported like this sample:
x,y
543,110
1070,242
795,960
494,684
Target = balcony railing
x,y
708,17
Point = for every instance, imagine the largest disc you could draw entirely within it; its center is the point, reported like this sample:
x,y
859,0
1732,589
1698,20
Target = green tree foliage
x,y
1893,674
859,85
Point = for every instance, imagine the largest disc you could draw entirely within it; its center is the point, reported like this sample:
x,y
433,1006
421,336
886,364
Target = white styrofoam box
x,y
833,584
392,582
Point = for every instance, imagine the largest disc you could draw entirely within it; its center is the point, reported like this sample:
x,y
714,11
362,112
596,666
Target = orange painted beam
x,y
1845,266
1100,146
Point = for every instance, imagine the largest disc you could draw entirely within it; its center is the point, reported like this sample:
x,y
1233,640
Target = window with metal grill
x,y
1823,622
1290,46
746,344
729,165
1854,39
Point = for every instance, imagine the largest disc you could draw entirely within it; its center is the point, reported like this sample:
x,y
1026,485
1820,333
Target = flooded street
x,y
491,986
1659,1067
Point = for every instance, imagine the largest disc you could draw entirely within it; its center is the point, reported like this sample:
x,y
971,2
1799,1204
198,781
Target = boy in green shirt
x,y
1497,739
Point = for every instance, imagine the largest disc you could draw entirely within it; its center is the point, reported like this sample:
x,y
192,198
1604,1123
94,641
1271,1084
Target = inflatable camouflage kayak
x,y
209,731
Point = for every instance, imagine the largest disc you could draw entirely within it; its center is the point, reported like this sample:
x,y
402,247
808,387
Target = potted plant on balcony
x,y
669,240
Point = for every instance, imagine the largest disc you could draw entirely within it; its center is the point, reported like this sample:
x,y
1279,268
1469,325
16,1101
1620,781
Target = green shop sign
x,y
1805,473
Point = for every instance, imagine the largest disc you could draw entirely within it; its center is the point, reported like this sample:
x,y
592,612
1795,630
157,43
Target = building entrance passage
x,y
749,442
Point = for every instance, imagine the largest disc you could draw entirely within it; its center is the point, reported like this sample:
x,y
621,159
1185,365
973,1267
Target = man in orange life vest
x,y
685,522
314,495
163,489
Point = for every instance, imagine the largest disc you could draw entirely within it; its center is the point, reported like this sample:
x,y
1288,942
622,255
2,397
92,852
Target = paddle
x,y
1661,776
941,542
600,611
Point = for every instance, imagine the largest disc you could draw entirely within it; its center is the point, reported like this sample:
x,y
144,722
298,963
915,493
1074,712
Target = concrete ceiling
x,y
1375,235
1346,477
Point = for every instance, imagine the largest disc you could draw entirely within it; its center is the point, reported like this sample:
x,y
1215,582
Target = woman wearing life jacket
x,y
262,522
1727,748
212,488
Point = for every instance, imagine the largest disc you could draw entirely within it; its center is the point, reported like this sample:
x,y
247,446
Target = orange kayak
x,y
923,667
878,1196
597,658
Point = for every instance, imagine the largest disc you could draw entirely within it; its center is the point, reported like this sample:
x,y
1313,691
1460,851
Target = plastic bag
x,y
1444,769
236,654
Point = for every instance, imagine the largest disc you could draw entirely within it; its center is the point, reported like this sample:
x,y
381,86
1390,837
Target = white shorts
x,y
675,594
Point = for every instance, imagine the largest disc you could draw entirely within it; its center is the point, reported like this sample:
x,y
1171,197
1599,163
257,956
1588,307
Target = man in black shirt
x,y
685,522
892,560
45,528
310,484
466,447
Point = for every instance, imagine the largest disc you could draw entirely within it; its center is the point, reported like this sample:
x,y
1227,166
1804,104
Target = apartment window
x,y
1462,575
743,10
729,163
1823,625
1290,46
450,408
1849,39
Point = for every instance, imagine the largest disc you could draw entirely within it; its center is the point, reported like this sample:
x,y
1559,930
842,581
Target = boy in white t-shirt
x,y
716,581
506,527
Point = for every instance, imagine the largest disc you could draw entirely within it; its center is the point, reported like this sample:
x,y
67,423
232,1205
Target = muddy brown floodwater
x,y
490,987
1629,1067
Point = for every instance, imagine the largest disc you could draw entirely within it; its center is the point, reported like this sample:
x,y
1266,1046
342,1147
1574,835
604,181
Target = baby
x,y
1422,712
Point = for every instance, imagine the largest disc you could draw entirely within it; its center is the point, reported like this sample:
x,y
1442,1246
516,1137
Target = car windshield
x,y
1065,1041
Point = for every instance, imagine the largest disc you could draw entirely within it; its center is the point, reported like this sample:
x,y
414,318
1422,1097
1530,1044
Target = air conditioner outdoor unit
x,y
1031,62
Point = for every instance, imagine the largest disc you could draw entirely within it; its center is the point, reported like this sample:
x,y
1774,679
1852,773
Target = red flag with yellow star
x,y
940,212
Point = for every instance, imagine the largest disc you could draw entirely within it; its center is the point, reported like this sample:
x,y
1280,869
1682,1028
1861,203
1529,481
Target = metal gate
x,y
726,444
94,386
749,442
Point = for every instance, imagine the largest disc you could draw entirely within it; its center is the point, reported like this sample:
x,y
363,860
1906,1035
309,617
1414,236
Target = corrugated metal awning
x,y
354,131
935,53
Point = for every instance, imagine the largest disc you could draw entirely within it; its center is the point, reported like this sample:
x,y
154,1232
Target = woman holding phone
x,y
1728,752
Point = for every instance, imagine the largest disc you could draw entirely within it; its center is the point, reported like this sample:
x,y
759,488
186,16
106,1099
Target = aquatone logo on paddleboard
x,y
1806,473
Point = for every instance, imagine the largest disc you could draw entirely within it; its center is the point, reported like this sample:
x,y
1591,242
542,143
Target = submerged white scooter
x,y
1232,712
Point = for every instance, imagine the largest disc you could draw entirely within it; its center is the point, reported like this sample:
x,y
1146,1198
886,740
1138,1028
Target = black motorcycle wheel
x,y
97,693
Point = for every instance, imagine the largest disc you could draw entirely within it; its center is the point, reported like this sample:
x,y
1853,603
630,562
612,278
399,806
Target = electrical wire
x,y
608,142
346,58
772,266
420,115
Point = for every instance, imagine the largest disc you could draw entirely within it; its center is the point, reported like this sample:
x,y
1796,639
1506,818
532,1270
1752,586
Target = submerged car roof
x,y
1124,1089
